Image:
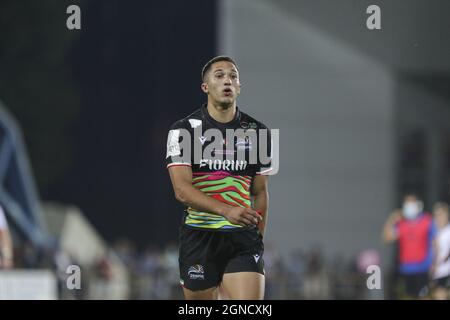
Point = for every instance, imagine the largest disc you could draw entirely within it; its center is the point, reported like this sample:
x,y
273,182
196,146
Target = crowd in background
x,y
298,275
153,273
422,254
421,265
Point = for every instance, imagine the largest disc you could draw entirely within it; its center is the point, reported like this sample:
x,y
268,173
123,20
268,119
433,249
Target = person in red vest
x,y
415,232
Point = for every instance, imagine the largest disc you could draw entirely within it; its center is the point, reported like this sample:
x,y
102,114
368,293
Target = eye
x,y
219,75
234,76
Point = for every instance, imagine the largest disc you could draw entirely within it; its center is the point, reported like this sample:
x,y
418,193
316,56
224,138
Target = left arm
x,y
434,248
260,196
434,257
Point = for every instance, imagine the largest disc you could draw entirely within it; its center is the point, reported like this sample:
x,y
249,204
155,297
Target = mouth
x,y
227,92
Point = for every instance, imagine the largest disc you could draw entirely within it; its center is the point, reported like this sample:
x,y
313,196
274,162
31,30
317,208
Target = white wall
x,y
334,109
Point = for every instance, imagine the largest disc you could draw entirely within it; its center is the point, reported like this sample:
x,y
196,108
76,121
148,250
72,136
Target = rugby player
x,y
221,237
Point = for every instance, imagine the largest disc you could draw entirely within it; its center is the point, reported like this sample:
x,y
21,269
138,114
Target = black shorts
x,y
204,256
416,285
442,282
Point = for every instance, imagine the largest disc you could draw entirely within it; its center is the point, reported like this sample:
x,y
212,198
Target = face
x,y
441,217
222,84
412,207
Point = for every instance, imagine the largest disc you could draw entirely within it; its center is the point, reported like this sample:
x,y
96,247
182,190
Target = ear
x,y
204,87
239,88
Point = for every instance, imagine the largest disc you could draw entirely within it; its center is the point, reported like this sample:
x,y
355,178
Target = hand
x,y
395,216
242,216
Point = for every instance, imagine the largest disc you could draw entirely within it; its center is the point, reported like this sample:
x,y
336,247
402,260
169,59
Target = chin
x,y
226,103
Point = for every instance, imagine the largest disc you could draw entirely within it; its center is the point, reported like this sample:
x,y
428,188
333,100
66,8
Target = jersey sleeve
x,y
264,165
175,155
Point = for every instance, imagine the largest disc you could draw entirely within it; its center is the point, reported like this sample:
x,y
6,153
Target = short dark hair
x,y
441,205
412,194
214,60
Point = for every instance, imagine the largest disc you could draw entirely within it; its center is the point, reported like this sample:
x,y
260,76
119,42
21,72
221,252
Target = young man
x,y
226,194
415,232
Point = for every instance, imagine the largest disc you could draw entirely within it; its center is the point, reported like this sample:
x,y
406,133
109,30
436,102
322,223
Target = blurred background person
x,y
6,247
441,269
415,231
316,283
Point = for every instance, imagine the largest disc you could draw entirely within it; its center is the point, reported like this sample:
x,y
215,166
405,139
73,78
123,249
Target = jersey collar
x,y
231,123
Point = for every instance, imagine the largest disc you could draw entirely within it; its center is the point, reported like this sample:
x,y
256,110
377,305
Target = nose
x,y
227,80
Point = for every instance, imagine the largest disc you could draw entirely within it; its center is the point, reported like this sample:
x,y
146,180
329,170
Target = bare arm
x,y
187,194
260,195
389,234
6,250
434,252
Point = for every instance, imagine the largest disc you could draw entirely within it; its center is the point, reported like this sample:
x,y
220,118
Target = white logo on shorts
x,y
256,256
196,272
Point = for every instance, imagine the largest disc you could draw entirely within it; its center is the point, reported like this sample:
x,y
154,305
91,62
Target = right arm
x,y
6,247
186,193
389,234
6,251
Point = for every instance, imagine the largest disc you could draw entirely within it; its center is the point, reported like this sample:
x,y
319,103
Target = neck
x,y
221,113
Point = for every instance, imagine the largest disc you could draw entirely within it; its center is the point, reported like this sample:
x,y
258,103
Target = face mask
x,y
411,209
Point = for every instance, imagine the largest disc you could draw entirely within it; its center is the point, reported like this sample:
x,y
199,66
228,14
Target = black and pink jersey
x,y
223,165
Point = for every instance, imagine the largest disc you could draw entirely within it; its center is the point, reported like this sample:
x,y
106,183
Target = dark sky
x,y
136,66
